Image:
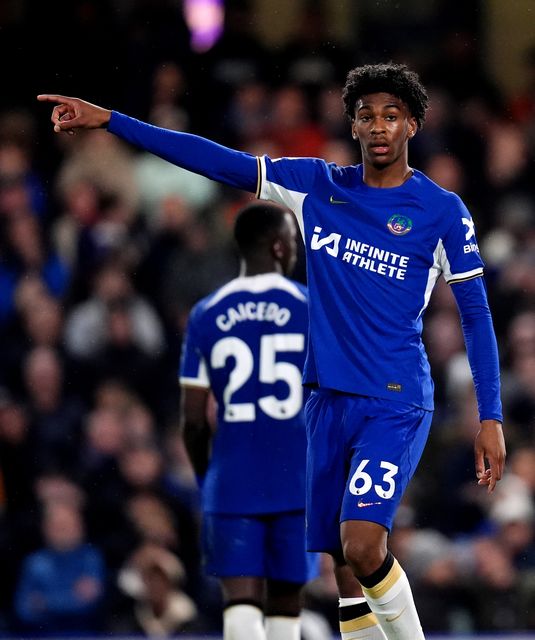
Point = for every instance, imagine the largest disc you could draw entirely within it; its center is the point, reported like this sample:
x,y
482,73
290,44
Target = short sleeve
x,y
193,369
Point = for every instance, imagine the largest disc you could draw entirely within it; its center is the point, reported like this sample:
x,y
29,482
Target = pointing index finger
x,y
52,97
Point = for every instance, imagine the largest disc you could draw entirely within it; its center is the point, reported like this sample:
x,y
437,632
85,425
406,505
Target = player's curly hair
x,y
390,77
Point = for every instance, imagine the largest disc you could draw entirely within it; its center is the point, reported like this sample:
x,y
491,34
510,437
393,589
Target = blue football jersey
x,y
369,252
247,343
373,258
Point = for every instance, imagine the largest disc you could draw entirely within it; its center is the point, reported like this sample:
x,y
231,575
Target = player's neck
x,y
386,177
258,267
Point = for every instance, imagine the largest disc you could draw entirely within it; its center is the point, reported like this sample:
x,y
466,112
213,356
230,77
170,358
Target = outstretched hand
x,y
490,446
70,114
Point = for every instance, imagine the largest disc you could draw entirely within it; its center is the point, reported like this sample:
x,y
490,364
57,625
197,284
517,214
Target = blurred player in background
x,y
246,344
377,237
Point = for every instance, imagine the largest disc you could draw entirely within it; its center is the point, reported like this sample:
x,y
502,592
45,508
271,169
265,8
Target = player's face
x,y
383,125
288,238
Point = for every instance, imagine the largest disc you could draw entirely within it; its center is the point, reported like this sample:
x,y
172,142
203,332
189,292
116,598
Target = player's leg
x,y
386,450
234,552
283,606
356,618
326,485
288,567
386,588
243,617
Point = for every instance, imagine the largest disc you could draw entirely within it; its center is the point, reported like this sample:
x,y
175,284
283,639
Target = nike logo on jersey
x,y
332,200
366,504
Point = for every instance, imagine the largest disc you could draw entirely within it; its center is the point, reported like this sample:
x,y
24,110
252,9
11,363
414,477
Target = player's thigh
x,y
385,454
287,559
234,545
326,472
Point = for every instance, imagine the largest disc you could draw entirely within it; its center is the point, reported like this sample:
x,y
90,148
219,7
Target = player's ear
x,y
277,249
354,129
413,127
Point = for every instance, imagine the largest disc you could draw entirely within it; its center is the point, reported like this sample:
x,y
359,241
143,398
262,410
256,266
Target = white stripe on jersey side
x,y
201,381
257,284
272,191
434,272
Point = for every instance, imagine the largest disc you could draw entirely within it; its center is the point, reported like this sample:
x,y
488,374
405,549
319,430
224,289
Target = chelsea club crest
x,y
399,225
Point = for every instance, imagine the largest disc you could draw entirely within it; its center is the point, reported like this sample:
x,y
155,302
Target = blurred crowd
x,y
104,250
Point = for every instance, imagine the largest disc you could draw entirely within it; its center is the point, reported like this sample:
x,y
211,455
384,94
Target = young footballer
x,y
377,235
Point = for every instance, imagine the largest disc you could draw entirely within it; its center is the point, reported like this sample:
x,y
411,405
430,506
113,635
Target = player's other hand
x,y
70,114
489,446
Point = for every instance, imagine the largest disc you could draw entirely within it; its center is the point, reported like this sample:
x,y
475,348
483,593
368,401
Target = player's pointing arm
x,y
72,113
191,152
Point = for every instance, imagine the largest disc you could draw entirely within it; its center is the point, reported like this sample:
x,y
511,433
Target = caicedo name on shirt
x,y
253,311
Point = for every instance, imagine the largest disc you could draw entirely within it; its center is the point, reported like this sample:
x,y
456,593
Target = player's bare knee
x,y
354,552
363,556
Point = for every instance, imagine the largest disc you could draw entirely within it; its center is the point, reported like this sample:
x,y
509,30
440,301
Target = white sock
x,y
363,625
243,622
392,602
282,628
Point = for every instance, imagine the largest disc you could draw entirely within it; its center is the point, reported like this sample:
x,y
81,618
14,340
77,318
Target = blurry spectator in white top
x,y
86,326
156,178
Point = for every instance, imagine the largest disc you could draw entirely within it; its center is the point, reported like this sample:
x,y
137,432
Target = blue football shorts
x,y
268,546
362,452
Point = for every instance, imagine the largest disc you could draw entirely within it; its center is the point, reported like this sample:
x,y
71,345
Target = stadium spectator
x,y
85,331
522,102
108,525
116,333
248,113
158,180
62,585
169,240
188,257
155,604
26,252
16,459
313,56
142,469
19,529
55,413
291,125
239,56
85,235
22,187
519,380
